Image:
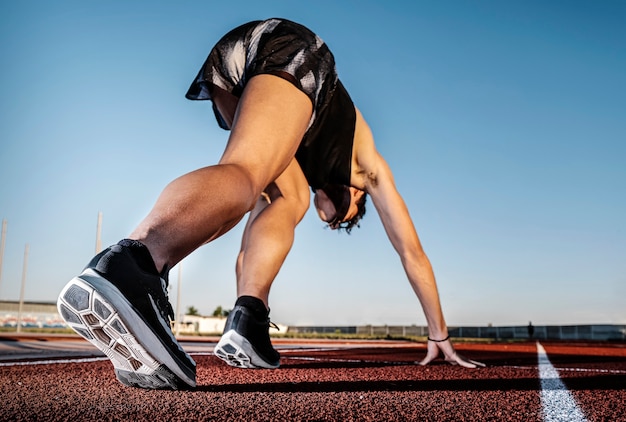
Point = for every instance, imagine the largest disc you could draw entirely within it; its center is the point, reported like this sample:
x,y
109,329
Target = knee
x,y
297,204
301,204
246,183
292,198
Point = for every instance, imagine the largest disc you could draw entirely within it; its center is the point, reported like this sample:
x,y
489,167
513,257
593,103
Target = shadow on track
x,y
600,382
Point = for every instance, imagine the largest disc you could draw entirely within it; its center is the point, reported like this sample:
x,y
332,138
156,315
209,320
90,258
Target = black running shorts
x,y
274,46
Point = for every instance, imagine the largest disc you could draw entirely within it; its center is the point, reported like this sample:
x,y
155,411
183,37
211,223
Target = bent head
x,y
342,207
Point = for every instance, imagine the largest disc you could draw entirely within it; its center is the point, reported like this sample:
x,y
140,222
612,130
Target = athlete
x,y
293,126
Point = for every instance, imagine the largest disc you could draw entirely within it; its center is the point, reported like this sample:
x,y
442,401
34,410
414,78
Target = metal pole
x,y
98,232
21,307
2,242
180,281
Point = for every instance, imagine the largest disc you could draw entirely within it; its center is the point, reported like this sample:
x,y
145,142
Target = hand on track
x,y
450,355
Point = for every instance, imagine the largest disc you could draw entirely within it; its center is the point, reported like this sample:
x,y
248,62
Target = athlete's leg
x,y
266,241
269,233
270,121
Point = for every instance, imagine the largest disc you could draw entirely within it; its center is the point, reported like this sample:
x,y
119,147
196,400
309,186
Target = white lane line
x,y
52,361
596,370
557,402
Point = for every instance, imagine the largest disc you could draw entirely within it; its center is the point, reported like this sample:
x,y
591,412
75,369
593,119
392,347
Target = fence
x,y
545,332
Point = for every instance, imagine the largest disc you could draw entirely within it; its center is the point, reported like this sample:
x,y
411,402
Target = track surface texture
x,y
55,379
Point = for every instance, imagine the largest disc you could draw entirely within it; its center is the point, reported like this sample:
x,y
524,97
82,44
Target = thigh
x,y
270,121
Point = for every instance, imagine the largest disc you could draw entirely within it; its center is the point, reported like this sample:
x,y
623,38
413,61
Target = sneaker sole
x,y
236,350
97,311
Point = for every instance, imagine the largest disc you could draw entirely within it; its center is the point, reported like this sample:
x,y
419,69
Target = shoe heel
x,y
96,309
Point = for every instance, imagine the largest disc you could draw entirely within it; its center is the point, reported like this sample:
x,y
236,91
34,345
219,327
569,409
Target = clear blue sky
x,y
504,123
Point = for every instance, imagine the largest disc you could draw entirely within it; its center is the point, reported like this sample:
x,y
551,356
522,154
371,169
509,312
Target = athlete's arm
x,y
374,175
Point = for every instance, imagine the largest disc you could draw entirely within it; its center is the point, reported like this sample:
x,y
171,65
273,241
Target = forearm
x,y
422,278
401,232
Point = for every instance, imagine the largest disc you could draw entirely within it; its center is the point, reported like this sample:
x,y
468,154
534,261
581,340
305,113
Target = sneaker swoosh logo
x,y
167,328
157,311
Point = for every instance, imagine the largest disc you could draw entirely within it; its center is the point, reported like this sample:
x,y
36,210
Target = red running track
x,y
325,381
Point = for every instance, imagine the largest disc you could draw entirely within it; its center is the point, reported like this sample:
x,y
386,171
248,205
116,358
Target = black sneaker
x,y
246,340
119,304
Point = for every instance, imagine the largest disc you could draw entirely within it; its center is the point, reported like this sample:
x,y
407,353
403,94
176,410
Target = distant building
x,y
34,314
195,324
